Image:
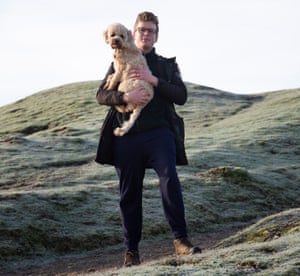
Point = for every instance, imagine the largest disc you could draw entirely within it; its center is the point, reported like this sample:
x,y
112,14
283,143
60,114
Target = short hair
x,y
146,17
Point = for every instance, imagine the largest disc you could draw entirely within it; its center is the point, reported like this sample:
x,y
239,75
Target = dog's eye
x,y
112,35
122,36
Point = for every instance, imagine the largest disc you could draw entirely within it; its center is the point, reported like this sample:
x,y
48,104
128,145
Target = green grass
x,y
54,200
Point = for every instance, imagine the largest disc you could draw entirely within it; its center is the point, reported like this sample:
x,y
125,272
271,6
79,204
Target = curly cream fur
x,y
126,57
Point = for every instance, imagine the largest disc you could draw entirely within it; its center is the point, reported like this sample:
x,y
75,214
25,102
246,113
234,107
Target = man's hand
x,y
138,96
143,73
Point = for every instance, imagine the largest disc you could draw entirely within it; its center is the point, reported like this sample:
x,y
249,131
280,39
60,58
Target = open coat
x,y
168,76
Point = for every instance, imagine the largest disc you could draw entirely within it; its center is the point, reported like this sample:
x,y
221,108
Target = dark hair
x,y
146,17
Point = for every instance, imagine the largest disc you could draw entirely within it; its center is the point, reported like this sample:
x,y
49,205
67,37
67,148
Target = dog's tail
x,y
127,125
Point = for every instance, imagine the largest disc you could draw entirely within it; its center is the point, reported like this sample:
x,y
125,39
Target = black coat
x,y
170,85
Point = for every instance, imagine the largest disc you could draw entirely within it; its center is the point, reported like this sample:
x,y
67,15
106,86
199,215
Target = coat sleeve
x,y
172,88
109,97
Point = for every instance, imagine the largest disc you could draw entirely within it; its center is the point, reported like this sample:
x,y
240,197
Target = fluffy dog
x,y
126,57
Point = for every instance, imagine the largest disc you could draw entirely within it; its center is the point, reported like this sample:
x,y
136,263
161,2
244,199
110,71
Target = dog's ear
x,y
129,37
105,36
128,42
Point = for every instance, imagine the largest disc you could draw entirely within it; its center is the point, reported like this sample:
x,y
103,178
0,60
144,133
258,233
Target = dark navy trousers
x,y
134,153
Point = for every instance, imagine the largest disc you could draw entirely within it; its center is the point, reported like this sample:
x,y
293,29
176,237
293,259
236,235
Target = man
x,y
150,143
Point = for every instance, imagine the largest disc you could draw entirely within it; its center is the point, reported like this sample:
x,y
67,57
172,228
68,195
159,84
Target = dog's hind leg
x,y
127,125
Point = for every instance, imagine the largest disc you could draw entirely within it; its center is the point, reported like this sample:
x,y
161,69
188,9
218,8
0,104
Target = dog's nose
x,y
116,42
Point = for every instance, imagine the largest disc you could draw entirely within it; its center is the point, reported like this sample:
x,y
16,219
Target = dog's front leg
x,y
112,81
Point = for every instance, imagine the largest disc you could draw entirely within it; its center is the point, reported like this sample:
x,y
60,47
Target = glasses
x,y
143,30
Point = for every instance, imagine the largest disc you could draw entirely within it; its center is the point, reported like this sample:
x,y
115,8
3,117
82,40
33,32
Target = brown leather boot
x,y
132,257
184,247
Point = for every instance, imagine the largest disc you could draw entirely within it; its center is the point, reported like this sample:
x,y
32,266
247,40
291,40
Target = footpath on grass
x,y
110,259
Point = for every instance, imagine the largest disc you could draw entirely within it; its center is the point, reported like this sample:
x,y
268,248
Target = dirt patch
x,y
111,259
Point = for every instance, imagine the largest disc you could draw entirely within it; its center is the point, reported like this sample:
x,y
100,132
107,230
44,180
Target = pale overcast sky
x,y
240,46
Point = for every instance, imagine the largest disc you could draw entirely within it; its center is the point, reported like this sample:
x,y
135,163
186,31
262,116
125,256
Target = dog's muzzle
x,y
116,43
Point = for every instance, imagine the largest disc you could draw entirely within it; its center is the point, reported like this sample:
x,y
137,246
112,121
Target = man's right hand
x,y
138,96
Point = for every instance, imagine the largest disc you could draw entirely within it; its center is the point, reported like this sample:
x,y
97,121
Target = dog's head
x,y
118,36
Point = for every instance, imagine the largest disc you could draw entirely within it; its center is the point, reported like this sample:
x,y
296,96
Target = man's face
x,y
145,36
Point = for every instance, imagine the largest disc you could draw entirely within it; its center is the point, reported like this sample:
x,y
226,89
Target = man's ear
x,y
133,34
156,37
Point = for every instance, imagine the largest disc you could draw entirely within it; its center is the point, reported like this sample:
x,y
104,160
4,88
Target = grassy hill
x,y
244,166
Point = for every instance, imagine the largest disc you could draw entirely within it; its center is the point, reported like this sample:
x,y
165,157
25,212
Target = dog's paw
x,y
119,132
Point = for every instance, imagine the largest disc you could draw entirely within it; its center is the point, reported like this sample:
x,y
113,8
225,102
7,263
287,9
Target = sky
x,y
239,46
